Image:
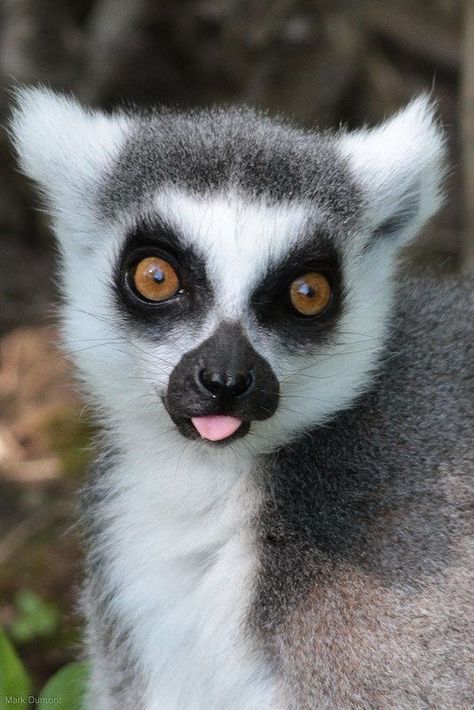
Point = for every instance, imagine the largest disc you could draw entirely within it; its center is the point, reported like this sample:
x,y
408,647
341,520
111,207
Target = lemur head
x,y
227,277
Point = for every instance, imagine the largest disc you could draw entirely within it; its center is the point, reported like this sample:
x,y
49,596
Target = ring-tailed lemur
x,y
282,514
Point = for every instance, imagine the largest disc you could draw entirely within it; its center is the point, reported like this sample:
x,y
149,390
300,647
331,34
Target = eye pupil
x,y
155,279
157,275
306,290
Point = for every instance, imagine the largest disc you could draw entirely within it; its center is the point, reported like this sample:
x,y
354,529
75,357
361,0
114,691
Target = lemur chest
x,y
185,577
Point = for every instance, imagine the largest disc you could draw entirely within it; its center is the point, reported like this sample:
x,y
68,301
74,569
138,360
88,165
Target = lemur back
x,y
281,514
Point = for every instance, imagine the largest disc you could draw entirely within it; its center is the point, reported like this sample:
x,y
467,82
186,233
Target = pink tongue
x,y
216,428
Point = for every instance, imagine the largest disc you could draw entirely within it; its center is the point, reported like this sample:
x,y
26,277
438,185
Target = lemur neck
x,y
179,554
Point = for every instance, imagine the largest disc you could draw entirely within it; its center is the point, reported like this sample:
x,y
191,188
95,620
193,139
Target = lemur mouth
x,y
216,427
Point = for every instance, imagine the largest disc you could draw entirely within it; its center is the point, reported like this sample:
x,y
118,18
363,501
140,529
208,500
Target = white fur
x,y
239,238
178,526
184,574
65,149
401,157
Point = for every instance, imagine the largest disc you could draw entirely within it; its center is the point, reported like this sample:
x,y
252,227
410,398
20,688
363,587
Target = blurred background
x,y
322,62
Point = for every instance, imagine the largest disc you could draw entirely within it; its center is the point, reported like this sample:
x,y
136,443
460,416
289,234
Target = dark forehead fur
x,y
211,150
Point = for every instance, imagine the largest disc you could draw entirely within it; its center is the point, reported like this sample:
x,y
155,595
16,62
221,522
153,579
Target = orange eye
x,y
155,279
310,294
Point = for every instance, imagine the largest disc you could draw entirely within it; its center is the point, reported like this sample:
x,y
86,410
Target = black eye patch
x,y
272,305
194,297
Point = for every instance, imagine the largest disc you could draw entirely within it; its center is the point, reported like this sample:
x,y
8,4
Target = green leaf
x,y
14,681
67,687
35,617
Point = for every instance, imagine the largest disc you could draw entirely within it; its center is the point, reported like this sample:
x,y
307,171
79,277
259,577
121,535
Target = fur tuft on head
x,y
400,167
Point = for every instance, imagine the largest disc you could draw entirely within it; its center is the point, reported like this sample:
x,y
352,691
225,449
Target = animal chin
x,y
216,427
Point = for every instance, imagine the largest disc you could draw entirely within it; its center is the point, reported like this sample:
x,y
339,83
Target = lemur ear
x,y
400,168
63,147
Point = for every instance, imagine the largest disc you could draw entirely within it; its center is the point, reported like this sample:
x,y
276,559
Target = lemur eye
x,y
310,294
155,279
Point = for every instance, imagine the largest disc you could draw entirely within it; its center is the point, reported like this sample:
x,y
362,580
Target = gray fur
x,y
209,150
364,598
365,594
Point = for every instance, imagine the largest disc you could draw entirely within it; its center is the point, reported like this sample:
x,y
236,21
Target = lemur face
x,y
239,294
227,277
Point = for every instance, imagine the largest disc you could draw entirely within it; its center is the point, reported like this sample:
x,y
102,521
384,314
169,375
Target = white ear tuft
x,y
400,168
62,146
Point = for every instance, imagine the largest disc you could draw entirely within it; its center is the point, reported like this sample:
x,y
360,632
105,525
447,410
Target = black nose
x,y
226,385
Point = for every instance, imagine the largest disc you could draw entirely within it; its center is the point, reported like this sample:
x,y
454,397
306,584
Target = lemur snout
x,y
220,387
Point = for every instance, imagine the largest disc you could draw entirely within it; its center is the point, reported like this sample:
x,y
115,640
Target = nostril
x,y
238,383
213,382
226,384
